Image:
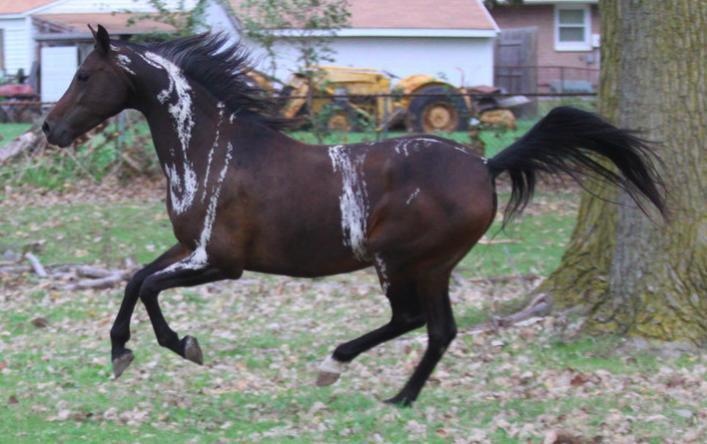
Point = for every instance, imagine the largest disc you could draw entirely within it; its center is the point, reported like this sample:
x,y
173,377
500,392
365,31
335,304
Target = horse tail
x,y
566,140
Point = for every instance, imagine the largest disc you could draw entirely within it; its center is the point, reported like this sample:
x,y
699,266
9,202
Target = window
x,y
573,26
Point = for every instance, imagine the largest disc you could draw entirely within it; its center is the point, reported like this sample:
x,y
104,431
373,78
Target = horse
x,y
242,195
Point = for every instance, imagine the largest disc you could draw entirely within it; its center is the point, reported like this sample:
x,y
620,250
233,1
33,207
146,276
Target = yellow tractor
x,y
348,99
353,98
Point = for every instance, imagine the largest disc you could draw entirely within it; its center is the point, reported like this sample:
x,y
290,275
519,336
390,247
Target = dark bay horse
x,y
244,196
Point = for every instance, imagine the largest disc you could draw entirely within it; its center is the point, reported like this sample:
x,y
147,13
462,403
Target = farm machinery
x,y
345,98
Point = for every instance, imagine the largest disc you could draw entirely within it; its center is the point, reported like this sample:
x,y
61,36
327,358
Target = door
x,y
58,65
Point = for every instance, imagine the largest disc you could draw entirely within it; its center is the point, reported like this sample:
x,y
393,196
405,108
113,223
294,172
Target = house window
x,y
573,26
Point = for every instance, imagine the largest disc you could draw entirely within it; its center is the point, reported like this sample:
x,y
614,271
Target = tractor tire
x,y
439,108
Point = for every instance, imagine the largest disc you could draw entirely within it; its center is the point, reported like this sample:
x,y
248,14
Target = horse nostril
x,y
46,128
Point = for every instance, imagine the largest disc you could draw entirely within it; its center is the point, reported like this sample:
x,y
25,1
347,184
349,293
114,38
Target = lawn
x,y
263,337
97,158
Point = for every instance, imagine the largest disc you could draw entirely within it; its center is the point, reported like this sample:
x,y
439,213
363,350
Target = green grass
x,y
532,244
98,157
495,139
107,233
9,131
85,233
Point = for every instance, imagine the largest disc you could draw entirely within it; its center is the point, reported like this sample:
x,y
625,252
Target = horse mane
x,y
222,68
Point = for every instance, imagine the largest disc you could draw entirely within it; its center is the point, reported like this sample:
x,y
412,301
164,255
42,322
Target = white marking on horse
x,y
382,272
353,198
199,258
402,147
124,62
412,196
183,186
220,107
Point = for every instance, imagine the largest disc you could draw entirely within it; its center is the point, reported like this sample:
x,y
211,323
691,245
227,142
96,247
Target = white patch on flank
x,y
124,62
182,187
484,160
412,196
114,48
220,107
382,272
232,117
331,365
353,199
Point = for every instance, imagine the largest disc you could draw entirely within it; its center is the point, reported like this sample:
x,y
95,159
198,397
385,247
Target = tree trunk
x,y
637,275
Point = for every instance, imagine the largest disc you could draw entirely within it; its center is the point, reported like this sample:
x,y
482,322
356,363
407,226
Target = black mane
x,y
222,67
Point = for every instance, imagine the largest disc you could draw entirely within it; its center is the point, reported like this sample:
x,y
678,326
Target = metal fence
x,y
546,79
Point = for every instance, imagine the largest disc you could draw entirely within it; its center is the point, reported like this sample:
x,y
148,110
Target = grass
x,y
256,386
99,157
9,131
263,335
87,232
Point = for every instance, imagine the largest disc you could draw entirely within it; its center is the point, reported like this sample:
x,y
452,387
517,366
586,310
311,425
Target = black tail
x,y
563,142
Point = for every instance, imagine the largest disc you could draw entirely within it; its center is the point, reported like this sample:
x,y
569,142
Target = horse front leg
x,y
185,273
121,357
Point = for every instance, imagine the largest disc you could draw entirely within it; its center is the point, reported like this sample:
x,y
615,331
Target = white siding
x,y
17,46
83,6
442,57
217,19
59,64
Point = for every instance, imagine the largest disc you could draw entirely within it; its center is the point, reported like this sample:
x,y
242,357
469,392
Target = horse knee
x,y
442,338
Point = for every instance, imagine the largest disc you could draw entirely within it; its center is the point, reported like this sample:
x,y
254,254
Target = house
x,y
559,40
54,32
452,39
16,43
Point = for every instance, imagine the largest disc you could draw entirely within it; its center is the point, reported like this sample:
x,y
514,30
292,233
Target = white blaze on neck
x,y
199,258
220,107
183,184
353,199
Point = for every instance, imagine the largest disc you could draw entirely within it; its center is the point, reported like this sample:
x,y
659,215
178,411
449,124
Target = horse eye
x,y
81,76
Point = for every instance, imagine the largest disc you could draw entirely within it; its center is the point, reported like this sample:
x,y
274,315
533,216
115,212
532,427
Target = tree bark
x,y
639,275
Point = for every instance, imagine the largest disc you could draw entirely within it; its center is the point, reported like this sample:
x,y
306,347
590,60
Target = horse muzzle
x,y
57,134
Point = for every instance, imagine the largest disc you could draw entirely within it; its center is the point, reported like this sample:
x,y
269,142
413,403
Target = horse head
x,y
100,89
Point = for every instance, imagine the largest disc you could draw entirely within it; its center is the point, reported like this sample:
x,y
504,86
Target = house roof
x,y
115,23
415,14
19,7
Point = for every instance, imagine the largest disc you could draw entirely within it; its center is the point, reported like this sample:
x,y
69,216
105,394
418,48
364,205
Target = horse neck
x,y
190,130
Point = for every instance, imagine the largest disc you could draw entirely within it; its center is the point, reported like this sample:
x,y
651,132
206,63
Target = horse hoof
x,y
192,351
122,362
327,378
399,401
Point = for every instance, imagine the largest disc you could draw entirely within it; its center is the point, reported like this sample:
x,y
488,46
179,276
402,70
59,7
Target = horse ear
x,y
102,39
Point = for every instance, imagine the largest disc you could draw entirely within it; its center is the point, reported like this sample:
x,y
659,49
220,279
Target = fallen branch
x,y
540,306
36,265
25,142
104,282
73,276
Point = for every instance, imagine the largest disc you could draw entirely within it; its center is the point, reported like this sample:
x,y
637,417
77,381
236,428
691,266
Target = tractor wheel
x,y
439,108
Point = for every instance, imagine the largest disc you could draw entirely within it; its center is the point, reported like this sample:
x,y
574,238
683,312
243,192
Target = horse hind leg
x,y
433,294
406,315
